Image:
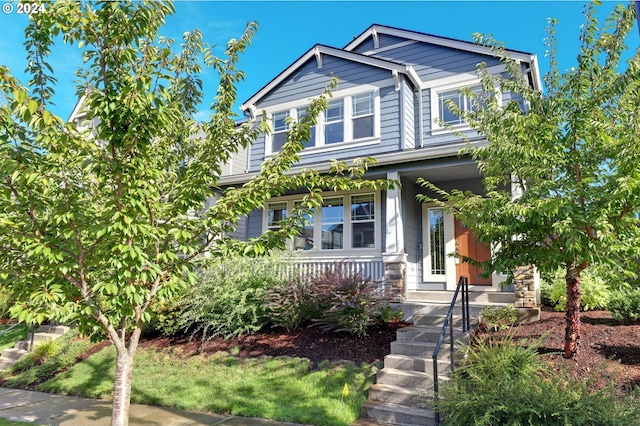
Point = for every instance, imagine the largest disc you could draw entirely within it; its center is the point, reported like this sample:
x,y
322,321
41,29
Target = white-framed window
x,y
305,241
276,213
363,221
280,128
332,218
351,118
302,113
363,115
461,101
344,222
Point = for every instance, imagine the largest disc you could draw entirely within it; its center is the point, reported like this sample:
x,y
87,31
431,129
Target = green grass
x,y
5,422
10,338
31,370
283,388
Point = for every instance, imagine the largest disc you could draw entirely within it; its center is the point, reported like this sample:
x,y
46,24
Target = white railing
x,y
369,268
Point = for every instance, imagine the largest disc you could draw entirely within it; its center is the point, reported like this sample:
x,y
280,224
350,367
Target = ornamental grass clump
x,y
504,383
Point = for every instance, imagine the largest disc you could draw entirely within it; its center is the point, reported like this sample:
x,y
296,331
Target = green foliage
x,y
99,219
9,338
624,305
560,176
44,351
229,296
595,290
498,317
6,301
27,373
508,384
387,314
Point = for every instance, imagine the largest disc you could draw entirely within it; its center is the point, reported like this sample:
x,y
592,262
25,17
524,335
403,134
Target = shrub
x,y
293,303
624,305
508,384
229,296
498,317
387,314
595,289
348,301
44,351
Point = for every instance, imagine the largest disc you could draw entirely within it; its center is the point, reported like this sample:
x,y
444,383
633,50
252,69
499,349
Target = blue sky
x,y
287,29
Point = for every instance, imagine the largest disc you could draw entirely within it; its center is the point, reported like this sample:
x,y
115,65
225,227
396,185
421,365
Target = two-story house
x,y
393,86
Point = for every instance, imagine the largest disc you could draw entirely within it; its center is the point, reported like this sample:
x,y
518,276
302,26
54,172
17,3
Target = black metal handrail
x,y
463,284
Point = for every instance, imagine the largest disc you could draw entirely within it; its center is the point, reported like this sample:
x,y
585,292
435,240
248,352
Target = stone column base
x,y
524,283
394,276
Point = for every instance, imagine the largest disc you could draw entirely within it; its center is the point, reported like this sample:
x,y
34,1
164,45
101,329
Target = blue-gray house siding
x,y
406,70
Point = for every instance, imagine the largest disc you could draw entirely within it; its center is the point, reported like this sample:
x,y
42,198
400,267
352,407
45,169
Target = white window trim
x,y
347,228
320,146
451,83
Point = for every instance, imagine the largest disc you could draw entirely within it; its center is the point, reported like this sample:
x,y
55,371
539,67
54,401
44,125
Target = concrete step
x,y
54,329
422,333
479,297
416,363
14,353
41,337
419,349
408,379
443,309
6,363
399,395
397,414
436,320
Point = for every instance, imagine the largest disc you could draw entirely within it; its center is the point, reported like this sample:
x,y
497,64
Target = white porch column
x,y
394,226
394,256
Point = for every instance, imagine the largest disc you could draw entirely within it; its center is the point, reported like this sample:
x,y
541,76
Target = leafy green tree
x,y
561,169
97,225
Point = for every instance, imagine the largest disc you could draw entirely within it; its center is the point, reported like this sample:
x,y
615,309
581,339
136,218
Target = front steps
x,y
475,297
403,392
46,333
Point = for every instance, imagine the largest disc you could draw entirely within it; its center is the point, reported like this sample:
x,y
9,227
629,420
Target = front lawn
x,y
278,388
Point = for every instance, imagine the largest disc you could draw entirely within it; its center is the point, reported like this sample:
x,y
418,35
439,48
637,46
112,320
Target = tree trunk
x,y
122,388
572,330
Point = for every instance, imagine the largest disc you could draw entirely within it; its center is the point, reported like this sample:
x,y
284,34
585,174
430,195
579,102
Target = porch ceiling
x,y
440,170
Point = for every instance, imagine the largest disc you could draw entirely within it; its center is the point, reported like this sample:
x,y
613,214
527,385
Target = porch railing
x,y
369,268
461,288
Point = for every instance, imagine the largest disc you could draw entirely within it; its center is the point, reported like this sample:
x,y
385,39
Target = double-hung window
x,y
332,214
280,128
363,221
302,113
362,108
276,213
334,122
462,102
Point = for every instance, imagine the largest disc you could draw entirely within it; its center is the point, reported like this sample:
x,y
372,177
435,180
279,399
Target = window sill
x,y
443,130
335,146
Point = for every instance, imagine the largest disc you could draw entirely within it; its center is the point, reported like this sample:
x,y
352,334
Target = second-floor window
x,y
347,119
280,128
461,101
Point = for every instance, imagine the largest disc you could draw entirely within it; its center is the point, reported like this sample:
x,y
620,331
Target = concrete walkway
x,y
53,410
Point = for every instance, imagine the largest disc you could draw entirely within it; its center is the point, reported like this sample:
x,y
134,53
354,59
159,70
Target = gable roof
x,y
316,52
376,29
394,67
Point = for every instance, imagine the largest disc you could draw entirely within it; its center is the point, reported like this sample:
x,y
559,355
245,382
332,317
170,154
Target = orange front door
x,y
468,245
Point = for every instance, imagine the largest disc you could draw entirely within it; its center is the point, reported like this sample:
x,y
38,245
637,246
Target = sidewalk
x,y
53,410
